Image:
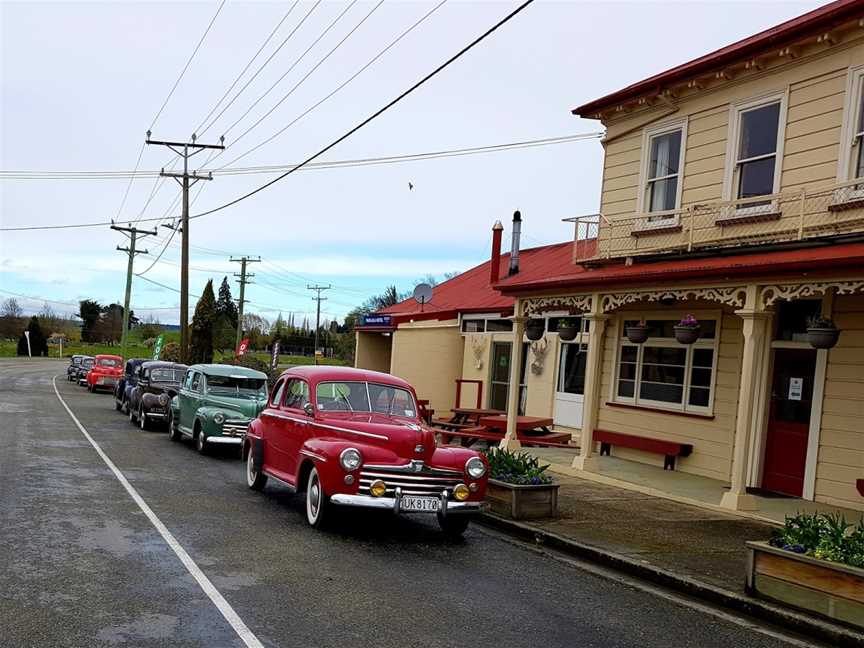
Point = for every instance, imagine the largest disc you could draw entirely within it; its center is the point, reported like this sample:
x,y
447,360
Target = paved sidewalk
x,y
691,549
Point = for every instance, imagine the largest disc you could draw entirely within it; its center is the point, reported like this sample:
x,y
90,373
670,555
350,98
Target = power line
x,y
186,67
377,113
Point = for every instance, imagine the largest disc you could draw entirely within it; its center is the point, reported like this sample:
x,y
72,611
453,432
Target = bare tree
x,y
11,318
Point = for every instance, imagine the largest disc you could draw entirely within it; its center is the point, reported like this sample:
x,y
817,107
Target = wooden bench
x,y
670,449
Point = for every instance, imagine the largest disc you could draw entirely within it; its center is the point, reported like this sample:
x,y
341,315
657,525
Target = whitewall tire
x,y
317,502
254,479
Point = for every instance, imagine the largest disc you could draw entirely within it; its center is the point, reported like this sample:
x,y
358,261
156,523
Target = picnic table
x,y
464,417
526,424
530,430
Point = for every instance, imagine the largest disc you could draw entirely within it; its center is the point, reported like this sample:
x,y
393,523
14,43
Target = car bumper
x,y
446,507
226,440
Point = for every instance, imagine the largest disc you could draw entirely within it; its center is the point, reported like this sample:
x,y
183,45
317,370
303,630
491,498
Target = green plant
x,y
819,322
516,468
825,536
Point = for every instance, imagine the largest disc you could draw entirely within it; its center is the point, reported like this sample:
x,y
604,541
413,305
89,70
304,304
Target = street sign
x,y
274,355
375,320
244,344
157,346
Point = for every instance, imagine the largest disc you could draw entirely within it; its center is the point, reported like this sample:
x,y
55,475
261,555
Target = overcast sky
x,y
82,82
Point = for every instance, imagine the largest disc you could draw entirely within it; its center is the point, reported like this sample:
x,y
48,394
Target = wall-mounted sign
x,y
796,388
375,320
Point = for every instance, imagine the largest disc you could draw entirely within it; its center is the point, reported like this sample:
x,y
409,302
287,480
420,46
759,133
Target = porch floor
x,y
678,486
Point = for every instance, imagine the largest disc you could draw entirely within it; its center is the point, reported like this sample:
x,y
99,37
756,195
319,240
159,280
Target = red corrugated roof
x,y
781,34
472,292
577,277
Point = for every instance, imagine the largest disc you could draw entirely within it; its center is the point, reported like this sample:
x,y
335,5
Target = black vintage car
x,y
72,369
126,383
86,365
150,399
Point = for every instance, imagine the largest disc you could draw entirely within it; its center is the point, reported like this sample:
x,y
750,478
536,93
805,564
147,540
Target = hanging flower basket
x,y
687,331
822,333
535,329
567,331
637,333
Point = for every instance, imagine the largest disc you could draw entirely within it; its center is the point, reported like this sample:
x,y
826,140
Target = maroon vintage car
x,y
349,437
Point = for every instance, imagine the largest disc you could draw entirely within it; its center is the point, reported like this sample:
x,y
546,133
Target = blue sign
x,y
375,320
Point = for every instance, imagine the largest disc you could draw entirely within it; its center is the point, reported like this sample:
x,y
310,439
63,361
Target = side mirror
x,y
309,408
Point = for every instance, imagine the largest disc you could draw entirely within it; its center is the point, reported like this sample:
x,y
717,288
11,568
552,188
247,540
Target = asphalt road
x,y
82,565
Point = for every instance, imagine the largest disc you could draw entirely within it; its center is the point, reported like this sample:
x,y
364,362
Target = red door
x,y
789,420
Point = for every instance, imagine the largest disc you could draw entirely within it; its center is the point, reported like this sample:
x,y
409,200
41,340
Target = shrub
x,y
823,535
513,468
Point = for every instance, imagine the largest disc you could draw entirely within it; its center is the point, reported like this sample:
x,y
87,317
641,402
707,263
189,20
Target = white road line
x,y
242,630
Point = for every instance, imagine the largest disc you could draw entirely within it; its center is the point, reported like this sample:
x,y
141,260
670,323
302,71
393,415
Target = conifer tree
x,y
201,347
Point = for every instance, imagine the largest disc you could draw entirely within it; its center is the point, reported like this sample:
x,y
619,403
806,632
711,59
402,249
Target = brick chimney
x,y
514,249
495,264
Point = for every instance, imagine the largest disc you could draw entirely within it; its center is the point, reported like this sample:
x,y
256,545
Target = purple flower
x,y
689,321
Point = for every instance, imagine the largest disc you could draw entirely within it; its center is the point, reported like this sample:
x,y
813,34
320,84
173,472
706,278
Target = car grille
x,y
234,427
424,482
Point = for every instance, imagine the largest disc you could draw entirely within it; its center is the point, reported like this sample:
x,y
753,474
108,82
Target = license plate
x,y
415,503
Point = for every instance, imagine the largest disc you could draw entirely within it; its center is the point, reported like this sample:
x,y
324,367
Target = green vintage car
x,y
215,404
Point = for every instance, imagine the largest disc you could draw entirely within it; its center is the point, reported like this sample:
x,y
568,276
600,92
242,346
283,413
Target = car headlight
x,y
475,467
163,399
218,418
350,459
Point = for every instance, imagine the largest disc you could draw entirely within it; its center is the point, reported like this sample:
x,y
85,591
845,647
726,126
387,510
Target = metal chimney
x,y
514,248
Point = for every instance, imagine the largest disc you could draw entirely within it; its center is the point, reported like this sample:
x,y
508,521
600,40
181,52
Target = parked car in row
x,y
350,437
105,373
83,369
216,403
126,383
72,369
156,384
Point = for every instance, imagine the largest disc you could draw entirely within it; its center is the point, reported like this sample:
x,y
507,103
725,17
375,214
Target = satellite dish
x,y
423,294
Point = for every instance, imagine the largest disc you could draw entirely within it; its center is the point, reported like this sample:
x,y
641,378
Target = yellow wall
x,y
841,441
429,356
816,87
372,351
712,438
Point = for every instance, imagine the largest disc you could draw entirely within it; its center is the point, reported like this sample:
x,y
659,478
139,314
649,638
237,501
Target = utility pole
x,y
244,279
185,150
318,298
133,233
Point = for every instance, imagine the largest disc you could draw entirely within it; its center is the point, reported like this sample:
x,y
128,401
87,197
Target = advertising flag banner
x,y
157,346
244,344
274,355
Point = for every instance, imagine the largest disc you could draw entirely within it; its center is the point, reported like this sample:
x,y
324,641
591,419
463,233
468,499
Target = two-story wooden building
x,y
733,191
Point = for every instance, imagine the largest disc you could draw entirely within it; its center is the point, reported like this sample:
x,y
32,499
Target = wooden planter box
x,y
829,589
522,502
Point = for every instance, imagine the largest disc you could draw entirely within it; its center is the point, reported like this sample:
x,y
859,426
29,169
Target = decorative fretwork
x,y
728,295
772,294
572,303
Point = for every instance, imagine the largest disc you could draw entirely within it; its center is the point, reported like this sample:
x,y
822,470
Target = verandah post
x,y
597,320
511,440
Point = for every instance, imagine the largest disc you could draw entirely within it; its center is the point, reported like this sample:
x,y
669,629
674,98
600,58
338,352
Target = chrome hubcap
x,y
314,497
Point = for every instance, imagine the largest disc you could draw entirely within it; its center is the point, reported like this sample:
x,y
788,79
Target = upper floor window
x,y
662,166
486,324
852,143
756,143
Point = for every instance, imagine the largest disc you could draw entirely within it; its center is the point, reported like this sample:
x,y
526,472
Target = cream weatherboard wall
x,y
428,355
841,440
813,90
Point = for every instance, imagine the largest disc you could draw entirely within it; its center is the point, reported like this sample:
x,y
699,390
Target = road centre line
x,y
242,630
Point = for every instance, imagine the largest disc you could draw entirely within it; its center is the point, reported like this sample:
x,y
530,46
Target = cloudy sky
x,y
82,82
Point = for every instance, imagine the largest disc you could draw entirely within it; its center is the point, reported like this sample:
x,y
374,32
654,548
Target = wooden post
x,y
593,375
511,440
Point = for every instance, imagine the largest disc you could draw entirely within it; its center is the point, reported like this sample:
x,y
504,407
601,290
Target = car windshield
x,y
355,396
167,375
76,361
237,386
108,362
87,362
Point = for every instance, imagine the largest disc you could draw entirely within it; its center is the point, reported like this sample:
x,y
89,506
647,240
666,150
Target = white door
x,y
570,389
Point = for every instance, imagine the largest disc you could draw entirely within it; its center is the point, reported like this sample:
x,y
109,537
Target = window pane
x,y
628,353
663,374
627,371
472,326
626,388
700,377
572,379
792,318
703,357
661,355
501,362
497,325
859,164
707,329
699,397
665,154
759,131
661,392
662,194
756,178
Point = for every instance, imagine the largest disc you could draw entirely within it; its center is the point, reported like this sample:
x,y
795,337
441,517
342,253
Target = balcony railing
x,y
777,218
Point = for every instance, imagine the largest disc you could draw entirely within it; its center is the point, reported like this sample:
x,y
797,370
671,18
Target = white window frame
x,y
671,216
684,406
851,109
731,176
484,317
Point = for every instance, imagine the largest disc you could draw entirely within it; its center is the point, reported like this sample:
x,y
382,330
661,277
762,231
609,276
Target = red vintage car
x,y
106,371
350,437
